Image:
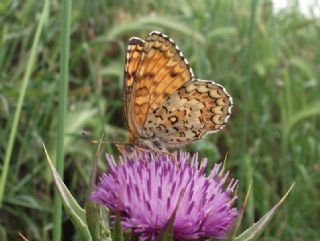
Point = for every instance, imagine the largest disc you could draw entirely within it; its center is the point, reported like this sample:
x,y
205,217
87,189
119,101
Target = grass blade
x,y
23,90
310,112
249,64
97,216
255,230
63,89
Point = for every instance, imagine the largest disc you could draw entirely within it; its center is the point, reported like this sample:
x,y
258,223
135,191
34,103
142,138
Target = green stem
x,y
249,57
63,91
24,86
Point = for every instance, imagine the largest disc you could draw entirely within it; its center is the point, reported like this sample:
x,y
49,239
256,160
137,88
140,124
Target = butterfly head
x,y
125,148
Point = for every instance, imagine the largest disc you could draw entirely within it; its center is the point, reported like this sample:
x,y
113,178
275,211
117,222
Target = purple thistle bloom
x,y
147,188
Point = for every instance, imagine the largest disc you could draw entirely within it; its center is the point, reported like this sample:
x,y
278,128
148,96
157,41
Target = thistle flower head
x,y
148,188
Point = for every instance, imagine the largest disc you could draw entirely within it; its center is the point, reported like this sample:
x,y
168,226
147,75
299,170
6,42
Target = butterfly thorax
x,y
140,144
147,143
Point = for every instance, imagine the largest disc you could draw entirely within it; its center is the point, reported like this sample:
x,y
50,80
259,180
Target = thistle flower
x,y
148,188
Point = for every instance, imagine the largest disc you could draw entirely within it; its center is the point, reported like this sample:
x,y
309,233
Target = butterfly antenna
x,y
97,140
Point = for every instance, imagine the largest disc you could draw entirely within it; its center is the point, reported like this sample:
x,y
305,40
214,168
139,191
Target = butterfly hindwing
x,y
197,108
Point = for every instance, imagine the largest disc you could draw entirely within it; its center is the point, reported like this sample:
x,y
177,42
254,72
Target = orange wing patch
x,y
161,71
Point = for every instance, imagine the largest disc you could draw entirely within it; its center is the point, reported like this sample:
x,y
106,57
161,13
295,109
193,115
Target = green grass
x,y
62,114
270,64
23,87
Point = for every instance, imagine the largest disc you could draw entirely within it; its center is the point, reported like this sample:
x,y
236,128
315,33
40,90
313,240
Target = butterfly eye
x,y
128,148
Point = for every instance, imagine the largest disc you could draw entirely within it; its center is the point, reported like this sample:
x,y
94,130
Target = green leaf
x,y
167,233
3,233
309,112
302,66
74,124
75,212
221,32
98,221
117,234
97,216
256,229
237,223
154,23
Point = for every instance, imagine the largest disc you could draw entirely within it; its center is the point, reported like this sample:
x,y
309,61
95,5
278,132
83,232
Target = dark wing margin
x,y
134,50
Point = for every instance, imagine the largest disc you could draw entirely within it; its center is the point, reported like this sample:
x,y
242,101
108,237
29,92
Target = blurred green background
x,y
269,62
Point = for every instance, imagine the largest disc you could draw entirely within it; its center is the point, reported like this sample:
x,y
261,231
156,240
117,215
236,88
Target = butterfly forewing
x,y
161,71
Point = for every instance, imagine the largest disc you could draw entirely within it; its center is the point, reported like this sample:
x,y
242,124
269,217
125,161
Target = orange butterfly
x,y
164,105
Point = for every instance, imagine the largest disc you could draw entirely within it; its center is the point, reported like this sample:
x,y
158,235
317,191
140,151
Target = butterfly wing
x,y
161,71
197,108
133,54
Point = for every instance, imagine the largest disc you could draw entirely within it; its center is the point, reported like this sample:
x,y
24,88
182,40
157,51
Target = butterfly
x,y
164,105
